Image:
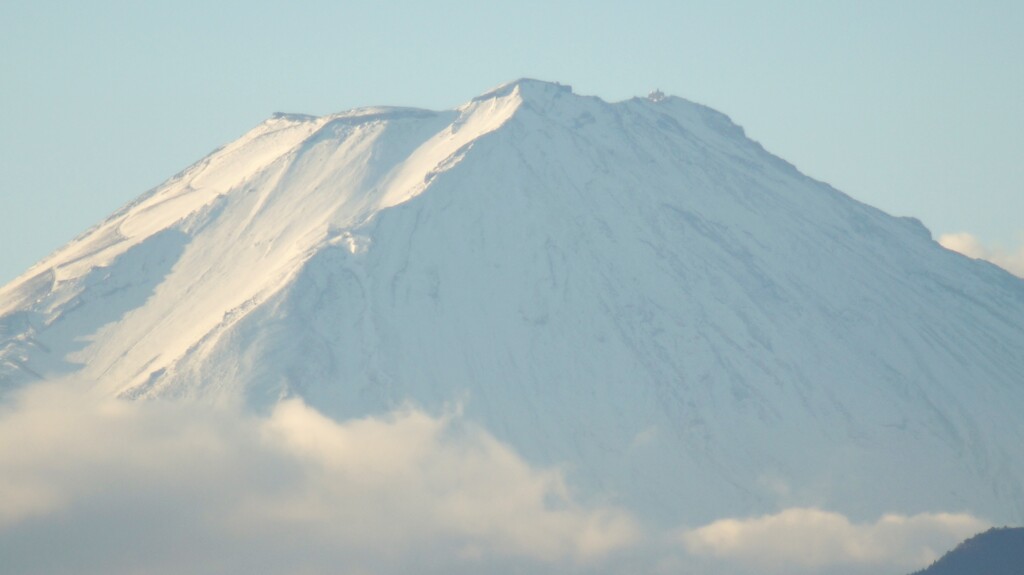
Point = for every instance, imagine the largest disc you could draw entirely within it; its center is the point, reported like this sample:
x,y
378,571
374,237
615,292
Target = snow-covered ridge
x,y
526,88
346,166
635,288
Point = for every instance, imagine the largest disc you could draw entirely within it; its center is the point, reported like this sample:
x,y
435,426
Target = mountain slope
x,y
998,551
635,289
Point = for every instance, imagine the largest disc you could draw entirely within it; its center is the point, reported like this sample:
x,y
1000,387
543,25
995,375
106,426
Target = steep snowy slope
x,y
635,289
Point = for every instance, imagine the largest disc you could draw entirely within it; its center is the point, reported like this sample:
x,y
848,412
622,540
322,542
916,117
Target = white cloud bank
x,y
808,540
970,246
92,486
105,486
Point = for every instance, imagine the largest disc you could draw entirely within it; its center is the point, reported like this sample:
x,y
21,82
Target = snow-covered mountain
x,y
633,289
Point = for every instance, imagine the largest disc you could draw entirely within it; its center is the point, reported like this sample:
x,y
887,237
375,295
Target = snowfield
x,y
636,292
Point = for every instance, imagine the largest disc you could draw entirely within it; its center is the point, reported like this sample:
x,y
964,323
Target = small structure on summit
x,y
656,96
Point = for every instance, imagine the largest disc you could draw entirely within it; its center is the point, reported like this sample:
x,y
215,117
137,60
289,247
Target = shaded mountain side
x,y
998,551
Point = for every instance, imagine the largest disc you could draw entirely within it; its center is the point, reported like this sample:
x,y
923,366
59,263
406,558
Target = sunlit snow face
x,y
116,487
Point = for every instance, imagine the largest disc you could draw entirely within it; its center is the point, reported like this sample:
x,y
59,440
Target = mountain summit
x,y
635,289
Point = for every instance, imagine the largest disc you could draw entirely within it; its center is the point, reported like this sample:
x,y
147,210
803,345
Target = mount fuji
x,y
633,290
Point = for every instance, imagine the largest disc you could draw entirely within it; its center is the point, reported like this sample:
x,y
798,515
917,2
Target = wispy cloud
x,y
105,486
808,540
1011,260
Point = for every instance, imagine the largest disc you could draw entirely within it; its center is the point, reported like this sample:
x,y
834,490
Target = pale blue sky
x,y
916,107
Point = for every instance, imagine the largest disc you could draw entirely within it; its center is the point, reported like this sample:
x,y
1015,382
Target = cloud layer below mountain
x,y
107,486
809,540
1011,260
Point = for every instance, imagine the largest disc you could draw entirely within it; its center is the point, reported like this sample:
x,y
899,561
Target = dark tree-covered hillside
x,y
998,551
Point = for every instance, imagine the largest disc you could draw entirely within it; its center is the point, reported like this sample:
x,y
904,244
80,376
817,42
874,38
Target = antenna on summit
x,y
656,96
